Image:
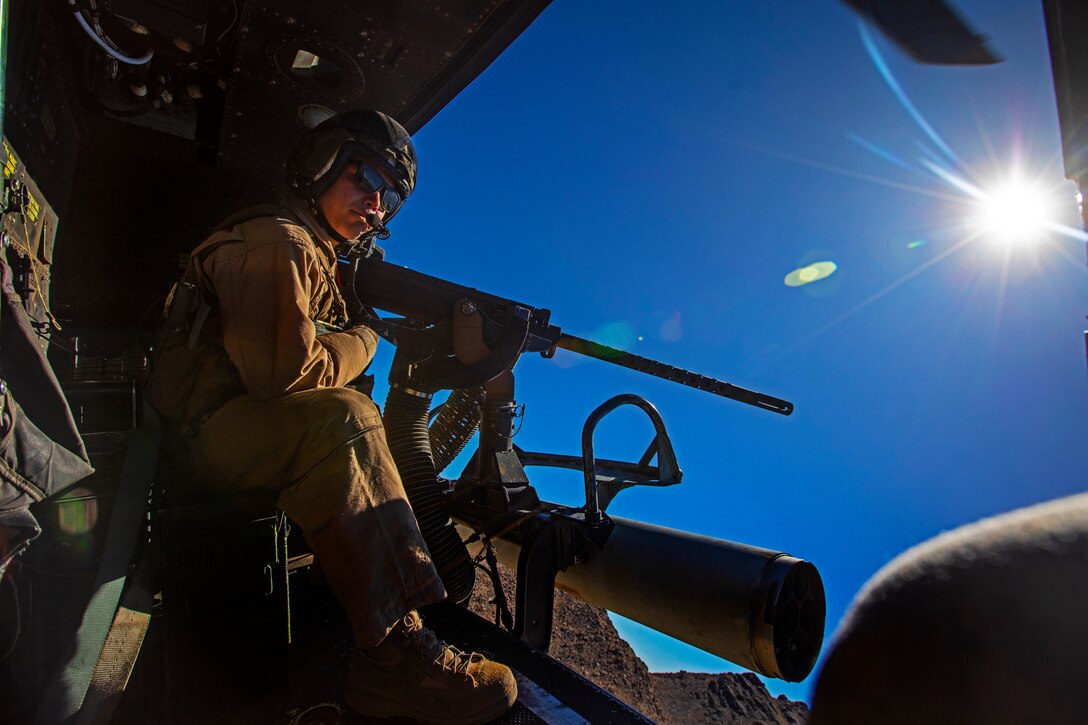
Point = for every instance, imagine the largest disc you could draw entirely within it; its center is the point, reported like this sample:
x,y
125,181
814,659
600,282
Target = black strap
x,y
502,609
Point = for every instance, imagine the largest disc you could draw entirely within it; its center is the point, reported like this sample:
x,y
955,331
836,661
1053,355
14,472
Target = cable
x,y
97,25
105,43
35,290
48,337
233,20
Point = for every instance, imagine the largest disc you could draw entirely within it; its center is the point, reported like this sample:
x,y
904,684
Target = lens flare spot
x,y
916,243
617,333
812,273
671,329
77,513
1015,212
566,360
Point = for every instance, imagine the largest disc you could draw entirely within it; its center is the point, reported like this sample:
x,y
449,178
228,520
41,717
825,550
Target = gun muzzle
x,y
760,609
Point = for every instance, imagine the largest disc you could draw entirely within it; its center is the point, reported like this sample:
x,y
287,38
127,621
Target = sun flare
x,y
1016,212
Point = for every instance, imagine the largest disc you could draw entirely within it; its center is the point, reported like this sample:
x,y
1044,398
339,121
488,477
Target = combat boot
x,y
414,674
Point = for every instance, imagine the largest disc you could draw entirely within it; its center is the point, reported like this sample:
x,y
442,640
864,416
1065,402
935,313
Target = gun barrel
x,y
760,609
673,374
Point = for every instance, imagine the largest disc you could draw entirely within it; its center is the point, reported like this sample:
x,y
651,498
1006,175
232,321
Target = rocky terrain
x,y
698,697
585,640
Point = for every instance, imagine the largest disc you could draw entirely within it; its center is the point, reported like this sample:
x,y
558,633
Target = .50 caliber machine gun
x,y
758,608
440,315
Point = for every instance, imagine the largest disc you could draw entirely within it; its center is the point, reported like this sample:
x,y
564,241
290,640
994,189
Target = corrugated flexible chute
x,y
406,419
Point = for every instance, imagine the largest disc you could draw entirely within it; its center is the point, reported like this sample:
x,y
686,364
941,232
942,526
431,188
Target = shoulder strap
x,y
199,307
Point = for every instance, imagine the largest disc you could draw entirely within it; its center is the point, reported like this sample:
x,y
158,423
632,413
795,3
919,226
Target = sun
x,y
1015,212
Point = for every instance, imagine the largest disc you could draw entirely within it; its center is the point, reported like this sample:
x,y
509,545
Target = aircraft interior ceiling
x,y
139,159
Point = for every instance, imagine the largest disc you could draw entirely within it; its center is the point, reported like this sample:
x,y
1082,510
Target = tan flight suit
x,y
298,430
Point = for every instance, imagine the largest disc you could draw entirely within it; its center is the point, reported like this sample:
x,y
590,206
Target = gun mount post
x,y
494,481
540,559
549,544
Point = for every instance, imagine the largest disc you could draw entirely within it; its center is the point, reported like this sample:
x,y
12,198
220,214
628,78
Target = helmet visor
x,y
368,178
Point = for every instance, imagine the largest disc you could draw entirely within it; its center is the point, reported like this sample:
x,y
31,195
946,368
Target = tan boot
x,y
414,674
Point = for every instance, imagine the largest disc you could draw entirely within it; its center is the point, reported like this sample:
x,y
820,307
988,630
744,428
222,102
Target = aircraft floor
x,y
231,663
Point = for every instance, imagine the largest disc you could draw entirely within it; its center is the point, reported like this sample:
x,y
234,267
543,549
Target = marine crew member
x,y
257,361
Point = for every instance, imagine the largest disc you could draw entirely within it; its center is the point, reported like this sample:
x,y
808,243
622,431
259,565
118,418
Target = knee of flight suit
x,y
351,470
335,413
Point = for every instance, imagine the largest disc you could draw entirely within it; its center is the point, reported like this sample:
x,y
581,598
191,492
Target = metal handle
x,y
666,459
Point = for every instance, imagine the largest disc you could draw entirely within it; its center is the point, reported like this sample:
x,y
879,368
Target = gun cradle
x,y
758,608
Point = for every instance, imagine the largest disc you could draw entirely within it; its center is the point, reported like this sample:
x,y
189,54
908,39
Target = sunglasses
x,y
369,179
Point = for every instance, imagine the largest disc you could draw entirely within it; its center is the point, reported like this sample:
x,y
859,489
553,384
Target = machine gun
x,y
758,608
440,315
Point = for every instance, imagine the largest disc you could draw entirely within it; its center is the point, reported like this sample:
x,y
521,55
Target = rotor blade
x,y
927,30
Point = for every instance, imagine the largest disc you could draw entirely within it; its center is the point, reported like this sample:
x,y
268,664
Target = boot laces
x,y
445,656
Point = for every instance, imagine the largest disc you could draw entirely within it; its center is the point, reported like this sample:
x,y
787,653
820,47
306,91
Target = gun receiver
x,y
509,329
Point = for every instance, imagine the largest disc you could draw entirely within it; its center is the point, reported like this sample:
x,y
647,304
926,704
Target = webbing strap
x,y
66,691
114,666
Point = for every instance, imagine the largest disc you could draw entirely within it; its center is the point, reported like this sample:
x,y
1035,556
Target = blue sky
x,y
652,173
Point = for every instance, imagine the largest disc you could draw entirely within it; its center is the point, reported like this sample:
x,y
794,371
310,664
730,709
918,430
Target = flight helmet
x,y
323,151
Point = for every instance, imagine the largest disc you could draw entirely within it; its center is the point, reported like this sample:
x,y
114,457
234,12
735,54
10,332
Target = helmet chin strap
x,y
315,209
